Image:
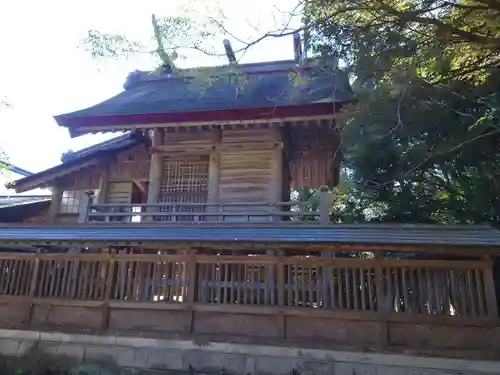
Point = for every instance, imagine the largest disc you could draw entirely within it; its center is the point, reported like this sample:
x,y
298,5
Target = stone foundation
x,y
160,354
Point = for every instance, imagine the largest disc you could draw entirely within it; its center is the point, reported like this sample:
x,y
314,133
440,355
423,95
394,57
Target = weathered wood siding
x,y
129,165
190,140
314,154
249,169
244,163
86,178
238,164
246,176
119,192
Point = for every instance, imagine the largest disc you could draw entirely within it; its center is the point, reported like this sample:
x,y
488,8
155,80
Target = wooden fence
x,y
313,290
450,288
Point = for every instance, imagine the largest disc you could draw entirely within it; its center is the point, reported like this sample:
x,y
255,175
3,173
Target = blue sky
x,y
43,72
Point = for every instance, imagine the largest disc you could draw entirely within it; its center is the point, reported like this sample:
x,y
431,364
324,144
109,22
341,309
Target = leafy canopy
x,y
423,141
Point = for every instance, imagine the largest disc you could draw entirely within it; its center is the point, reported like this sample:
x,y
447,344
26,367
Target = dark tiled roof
x,y
117,143
254,85
342,234
74,159
21,200
18,212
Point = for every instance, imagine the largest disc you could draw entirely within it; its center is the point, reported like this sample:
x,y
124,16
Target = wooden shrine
x,y
187,226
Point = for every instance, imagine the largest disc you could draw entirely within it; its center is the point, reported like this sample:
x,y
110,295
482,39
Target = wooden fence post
x,y
381,308
489,289
191,278
155,172
33,284
34,277
110,278
324,205
280,265
108,293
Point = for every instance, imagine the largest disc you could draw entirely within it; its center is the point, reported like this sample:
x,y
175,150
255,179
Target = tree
x,y
423,140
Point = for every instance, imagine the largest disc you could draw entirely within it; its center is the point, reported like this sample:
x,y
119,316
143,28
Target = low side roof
x,y
21,200
76,160
212,94
16,212
118,143
375,234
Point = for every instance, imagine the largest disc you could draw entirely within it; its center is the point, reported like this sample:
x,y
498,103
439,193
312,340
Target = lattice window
x,y
184,181
70,200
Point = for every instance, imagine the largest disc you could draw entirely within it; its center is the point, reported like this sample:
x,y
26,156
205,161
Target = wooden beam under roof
x,y
200,124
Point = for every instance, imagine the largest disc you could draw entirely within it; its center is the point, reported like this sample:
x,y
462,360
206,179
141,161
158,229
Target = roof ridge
x,y
143,76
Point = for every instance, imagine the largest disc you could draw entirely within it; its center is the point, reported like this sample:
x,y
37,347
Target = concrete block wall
x,y
163,356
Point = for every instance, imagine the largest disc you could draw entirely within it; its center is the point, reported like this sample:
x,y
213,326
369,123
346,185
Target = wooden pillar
x,y
324,205
214,176
155,170
102,191
83,208
103,186
55,203
213,182
276,181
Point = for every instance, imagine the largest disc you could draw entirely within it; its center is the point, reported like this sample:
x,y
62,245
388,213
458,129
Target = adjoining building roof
x,y
113,144
20,200
375,234
216,92
79,159
15,209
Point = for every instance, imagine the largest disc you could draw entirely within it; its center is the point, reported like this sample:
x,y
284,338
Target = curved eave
x,y
79,124
40,179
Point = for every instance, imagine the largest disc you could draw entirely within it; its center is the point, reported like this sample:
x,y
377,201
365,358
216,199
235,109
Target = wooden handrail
x,y
210,212
202,214
183,204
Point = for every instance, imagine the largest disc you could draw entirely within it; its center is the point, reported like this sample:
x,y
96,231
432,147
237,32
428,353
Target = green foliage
x,y
109,45
422,143
170,36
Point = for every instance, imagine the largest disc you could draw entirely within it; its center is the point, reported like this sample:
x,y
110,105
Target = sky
x,y
44,71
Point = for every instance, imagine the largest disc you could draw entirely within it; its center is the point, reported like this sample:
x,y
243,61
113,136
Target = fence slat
x,y
373,286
